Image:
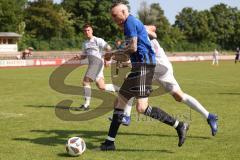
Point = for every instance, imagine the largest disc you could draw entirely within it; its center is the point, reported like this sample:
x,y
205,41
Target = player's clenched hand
x,y
108,56
121,56
76,57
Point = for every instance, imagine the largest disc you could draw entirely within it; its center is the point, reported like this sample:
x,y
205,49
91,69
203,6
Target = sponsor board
x,y
48,62
12,63
60,61
54,62
36,62
198,58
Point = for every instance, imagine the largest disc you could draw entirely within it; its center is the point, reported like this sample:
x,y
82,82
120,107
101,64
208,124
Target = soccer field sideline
x,y
31,130
61,61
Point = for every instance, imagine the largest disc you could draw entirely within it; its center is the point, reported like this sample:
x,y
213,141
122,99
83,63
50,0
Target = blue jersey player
x,y
139,81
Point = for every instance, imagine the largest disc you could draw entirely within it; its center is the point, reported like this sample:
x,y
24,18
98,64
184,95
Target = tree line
x,y
45,25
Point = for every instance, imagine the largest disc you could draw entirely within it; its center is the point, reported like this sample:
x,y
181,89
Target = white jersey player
x,y
215,57
164,75
93,49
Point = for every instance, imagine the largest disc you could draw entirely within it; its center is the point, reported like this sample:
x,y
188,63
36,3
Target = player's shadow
x,y
40,106
144,150
128,150
230,93
72,108
59,137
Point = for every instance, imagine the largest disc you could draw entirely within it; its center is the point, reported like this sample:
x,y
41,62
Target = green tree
x,y
223,24
195,25
154,15
46,20
66,28
144,13
186,22
236,37
102,22
95,12
201,30
11,15
81,11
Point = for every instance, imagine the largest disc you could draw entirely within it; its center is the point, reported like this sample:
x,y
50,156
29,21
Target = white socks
x,y
187,99
87,92
128,108
176,124
194,104
87,95
111,88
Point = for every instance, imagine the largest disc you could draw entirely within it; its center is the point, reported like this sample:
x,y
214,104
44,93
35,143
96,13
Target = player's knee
x,y
141,108
101,88
177,97
142,105
85,83
87,80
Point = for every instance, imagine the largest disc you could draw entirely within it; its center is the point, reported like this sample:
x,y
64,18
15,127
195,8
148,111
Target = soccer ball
x,y
75,146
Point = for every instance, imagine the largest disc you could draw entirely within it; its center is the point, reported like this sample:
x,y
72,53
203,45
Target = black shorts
x,y
237,57
139,82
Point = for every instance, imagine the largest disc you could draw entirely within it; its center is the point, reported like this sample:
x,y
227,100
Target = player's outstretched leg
x,y
181,127
196,105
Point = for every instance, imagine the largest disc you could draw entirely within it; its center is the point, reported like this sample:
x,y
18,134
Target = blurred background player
x,y
164,75
27,52
93,49
119,44
215,57
237,55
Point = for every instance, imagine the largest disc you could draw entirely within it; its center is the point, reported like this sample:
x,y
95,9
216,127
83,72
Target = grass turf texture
x,y
29,128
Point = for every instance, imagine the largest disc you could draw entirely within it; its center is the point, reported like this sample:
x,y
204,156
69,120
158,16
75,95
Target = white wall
x,y
8,48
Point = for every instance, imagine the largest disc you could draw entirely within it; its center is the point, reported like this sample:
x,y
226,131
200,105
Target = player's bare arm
x,y
79,57
131,47
123,54
108,54
151,30
108,48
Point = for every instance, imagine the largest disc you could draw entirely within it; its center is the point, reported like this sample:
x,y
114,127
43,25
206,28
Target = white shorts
x,y
164,76
95,68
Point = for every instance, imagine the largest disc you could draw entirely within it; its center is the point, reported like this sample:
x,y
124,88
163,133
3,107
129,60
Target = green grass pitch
x,y
29,128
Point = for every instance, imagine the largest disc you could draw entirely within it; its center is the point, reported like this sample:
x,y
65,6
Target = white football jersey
x,y
94,47
161,57
215,53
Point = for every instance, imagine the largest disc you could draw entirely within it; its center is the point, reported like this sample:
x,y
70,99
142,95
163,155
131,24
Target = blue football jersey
x,y
135,28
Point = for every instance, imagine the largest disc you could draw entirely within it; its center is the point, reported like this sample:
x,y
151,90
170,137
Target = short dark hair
x,y
115,4
87,25
118,2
